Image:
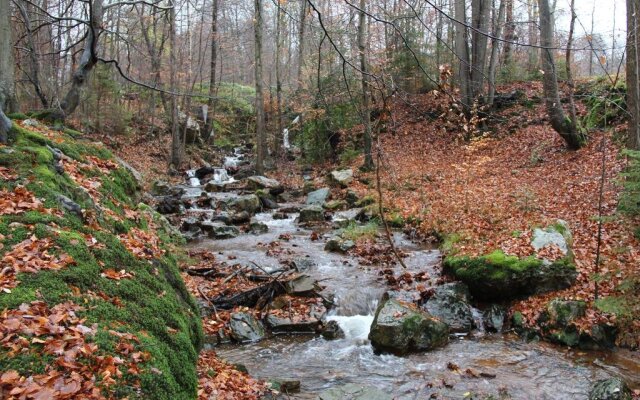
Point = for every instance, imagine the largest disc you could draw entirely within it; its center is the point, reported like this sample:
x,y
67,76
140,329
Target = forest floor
x,y
492,191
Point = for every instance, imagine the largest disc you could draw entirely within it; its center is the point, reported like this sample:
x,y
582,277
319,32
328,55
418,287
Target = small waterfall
x,y
356,328
285,139
193,181
220,175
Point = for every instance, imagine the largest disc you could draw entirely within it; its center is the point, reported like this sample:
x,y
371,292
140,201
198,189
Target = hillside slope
x,y
92,302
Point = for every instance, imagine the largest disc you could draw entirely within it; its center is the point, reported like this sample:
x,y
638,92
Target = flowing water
x,y
500,365
522,370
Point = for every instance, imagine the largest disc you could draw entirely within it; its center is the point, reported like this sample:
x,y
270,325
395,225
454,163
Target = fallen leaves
x,y
145,245
220,380
31,255
19,201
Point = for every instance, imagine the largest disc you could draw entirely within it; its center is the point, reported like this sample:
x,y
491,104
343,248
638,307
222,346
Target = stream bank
x,y
266,237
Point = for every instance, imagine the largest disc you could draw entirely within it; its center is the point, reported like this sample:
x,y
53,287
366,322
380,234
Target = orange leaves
x,y
116,275
30,255
145,245
219,380
7,174
18,202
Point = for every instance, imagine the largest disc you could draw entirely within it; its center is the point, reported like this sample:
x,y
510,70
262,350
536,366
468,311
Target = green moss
x,y
616,305
448,245
365,201
396,220
356,232
154,303
17,116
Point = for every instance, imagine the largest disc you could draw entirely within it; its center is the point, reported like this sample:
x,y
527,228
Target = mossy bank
x,y
73,202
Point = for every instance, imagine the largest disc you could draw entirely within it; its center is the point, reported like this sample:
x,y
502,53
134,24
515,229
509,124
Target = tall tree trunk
x,y
278,58
509,34
495,44
303,23
88,59
366,112
633,73
532,63
480,20
559,121
176,138
568,59
211,103
260,113
462,54
34,67
7,83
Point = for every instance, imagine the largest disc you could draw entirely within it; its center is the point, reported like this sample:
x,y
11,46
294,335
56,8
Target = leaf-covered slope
x,y
91,302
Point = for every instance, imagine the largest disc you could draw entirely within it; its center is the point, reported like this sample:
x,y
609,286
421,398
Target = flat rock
x,y
245,328
342,177
354,392
318,197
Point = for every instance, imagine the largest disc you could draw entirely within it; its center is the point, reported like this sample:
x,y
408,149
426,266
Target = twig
x,y
215,311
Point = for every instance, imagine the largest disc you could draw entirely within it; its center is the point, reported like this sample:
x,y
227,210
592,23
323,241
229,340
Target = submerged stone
x,y
339,245
352,391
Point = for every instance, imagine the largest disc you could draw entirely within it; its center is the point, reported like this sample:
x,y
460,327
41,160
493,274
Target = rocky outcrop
x,y
450,304
260,182
494,318
245,328
318,197
339,245
558,324
399,329
497,276
311,214
341,178
249,203
610,389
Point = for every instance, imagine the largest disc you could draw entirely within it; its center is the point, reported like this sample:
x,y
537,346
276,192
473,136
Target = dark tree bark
x,y
7,83
278,59
260,112
211,104
633,73
462,54
480,20
176,138
88,59
301,30
559,121
495,45
366,112
34,67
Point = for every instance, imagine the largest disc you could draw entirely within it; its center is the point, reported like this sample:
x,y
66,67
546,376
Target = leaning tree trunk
x,y
633,73
7,94
260,113
462,54
88,60
559,121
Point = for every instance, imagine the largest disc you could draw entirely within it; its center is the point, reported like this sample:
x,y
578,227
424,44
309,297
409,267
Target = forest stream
x,y
476,364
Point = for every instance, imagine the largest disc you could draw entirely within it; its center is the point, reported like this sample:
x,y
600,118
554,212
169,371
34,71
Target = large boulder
x,y
161,188
557,235
257,182
352,391
494,318
399,329
311,214
341,178
610,389
318,197
249,203
245,327
302,285
218,230
450,304
558,323
497,276
281,325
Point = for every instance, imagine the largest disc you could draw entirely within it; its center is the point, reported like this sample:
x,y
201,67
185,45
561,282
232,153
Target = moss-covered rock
x,y
610,389
400,329
497,276
123,290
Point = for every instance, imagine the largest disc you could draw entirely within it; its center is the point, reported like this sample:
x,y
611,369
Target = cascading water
x,y
191,175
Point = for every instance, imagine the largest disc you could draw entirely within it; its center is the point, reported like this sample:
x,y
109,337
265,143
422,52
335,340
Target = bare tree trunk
x,y
480,20
366,112
509,33
280,127
176,139
303,23
495,44
532,64
34,75
7,83
570,82
211,103
260,113
88,59
462,54
633,73
559,122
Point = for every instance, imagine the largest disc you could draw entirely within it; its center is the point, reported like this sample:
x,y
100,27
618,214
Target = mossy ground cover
x,y
121,285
